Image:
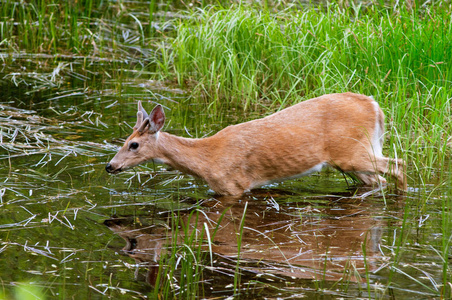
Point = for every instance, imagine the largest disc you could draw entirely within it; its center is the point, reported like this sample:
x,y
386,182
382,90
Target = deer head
x,y
140,146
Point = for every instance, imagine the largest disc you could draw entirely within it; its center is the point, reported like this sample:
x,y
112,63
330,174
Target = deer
x,y
343,130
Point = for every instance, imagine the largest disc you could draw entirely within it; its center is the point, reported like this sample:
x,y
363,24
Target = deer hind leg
x,y
369,171
397,169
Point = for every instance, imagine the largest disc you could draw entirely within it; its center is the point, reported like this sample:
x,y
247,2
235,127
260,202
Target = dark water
x,y
73,231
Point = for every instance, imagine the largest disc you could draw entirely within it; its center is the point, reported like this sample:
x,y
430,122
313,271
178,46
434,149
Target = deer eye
x,y
133,145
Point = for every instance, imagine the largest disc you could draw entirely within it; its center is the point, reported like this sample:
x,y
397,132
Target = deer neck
x,y
184,154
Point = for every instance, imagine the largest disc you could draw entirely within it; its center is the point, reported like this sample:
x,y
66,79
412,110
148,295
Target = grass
x,y
446,241
239,235
181,265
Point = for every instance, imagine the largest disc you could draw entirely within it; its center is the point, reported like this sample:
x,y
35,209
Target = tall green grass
x,y
47,26
93,28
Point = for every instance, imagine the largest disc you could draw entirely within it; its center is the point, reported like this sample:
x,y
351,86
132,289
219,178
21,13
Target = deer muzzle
x,y
109,168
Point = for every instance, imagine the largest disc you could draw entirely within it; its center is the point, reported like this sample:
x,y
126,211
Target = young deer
x,y
344,131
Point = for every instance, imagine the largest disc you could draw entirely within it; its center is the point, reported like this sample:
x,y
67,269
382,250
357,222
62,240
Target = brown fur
x,y
340,130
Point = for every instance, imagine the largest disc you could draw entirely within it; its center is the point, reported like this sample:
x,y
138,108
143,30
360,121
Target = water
x,y
73,231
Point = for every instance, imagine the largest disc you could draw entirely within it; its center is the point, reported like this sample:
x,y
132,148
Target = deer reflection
x,y
328,242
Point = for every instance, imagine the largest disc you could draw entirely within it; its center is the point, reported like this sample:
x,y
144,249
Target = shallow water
x,y
74,231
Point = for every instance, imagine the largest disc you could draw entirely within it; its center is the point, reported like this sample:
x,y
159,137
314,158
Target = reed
x,y
181,265
237,275
446,239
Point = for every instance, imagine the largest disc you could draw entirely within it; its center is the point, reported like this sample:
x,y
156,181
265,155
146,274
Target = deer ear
x,y
139,120
141,115
140,108
143,125
156,119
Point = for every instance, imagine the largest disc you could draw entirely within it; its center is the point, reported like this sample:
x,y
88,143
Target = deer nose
x,y
109,168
